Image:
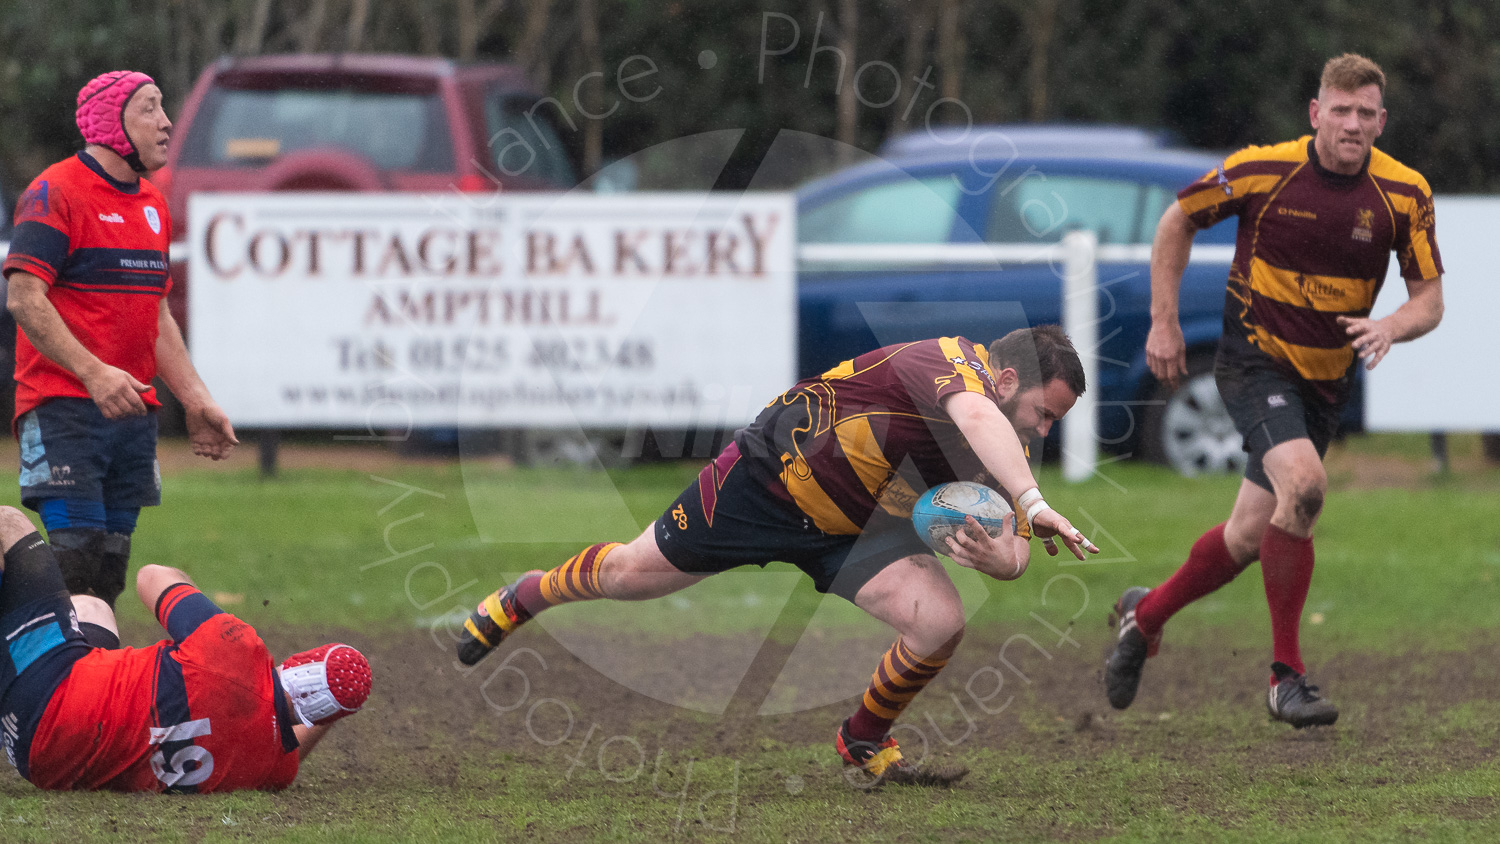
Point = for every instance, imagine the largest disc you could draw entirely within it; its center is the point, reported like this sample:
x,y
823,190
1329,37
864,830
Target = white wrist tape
x,y
1036,507
1025,499
1031,501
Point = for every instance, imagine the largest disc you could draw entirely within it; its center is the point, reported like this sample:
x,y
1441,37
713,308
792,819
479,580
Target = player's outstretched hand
x,y
116,392
1049,523
1369,338
210,432
996,556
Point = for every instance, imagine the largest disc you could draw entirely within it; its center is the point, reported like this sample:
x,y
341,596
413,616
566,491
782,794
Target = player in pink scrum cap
x,y
101,118
87,281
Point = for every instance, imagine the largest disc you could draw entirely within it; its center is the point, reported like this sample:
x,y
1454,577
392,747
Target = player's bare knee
x,y
1244,549
1306,498
13,526
92,610
1242,539
153,579
1308,504
936,632
152,571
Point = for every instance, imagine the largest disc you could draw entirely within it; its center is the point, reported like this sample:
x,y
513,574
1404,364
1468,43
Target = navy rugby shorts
x,y
69,450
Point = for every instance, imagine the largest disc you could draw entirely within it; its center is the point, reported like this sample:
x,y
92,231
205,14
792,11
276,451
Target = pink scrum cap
x,y
101,112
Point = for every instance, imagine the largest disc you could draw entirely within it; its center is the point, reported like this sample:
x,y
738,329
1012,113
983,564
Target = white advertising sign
x,y
527,310
1441,382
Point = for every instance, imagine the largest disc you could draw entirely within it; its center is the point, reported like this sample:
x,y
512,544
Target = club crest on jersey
x,y
1364,225
153,219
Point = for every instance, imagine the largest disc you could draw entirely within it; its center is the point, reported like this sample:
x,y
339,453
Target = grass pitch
x,y
710,714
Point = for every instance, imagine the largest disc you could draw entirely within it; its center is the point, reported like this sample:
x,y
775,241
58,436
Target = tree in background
x,y
1219,76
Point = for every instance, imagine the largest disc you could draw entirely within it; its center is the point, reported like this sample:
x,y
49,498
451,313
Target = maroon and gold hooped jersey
x,y
872,433
1313,245
101,246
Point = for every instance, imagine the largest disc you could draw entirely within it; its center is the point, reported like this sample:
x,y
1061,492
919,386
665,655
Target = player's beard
x,y
1009,407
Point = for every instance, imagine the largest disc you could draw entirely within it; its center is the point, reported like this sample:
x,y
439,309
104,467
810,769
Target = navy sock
x,y
121,519
71,513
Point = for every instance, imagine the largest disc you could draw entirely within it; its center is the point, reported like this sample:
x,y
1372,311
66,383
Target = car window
x,y
904,211
1158,197
522,144
1041,209
395,130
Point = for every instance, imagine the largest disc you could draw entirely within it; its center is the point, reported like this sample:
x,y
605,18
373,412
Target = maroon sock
x,y
1208,567
1286,565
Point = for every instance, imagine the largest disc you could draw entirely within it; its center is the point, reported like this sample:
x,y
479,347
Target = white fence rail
x,y
1076,261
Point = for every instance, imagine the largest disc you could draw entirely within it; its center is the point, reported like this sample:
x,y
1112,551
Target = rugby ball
x,y
940,512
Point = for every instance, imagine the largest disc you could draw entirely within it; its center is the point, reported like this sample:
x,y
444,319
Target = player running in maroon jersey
x,y
1318,220
825,479
207,710
87,283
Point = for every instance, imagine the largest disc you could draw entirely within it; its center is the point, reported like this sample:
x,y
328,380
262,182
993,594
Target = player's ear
x,y
1007,382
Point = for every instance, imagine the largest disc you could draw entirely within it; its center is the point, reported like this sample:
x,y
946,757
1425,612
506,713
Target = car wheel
x,y
1190,429
591,449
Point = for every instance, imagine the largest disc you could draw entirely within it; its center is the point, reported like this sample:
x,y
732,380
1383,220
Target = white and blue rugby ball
x,y
940,512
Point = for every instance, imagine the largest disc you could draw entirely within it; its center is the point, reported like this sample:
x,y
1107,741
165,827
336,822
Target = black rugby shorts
x,y
732,516
1270,407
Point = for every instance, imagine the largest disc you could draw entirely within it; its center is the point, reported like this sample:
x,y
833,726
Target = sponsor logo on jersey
x,y
1277,400
33,203
142,264
1316,288
111,218
1364,225
974,365
153,219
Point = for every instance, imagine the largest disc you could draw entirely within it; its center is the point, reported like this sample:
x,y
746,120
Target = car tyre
x,y
584,449
1189,428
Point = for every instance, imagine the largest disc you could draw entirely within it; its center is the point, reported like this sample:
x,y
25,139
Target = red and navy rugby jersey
x,y
203,712
871,433
1313,245
101,246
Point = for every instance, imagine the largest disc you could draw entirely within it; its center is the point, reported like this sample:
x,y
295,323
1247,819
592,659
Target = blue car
x,y
897,249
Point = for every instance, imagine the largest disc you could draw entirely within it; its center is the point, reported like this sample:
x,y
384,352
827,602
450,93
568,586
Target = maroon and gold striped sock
x,y
575,580
898,679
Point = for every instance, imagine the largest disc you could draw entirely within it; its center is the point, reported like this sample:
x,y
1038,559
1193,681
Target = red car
x,y
359,122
